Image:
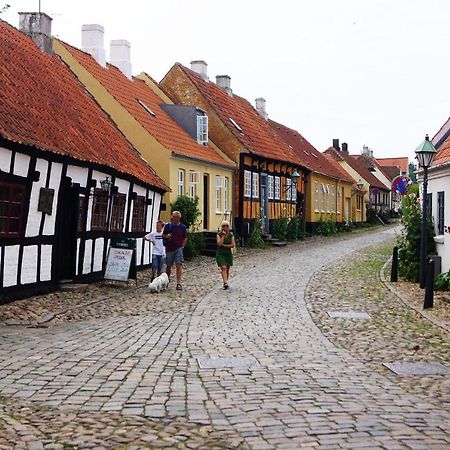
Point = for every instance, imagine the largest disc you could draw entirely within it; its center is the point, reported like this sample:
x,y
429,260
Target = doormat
x,y
222,362
348,315
404,369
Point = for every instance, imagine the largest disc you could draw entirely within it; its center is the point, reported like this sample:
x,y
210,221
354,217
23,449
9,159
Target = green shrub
x,y
295,229
256,237
442,282
194,246
189,210
280,228
326,228
409,240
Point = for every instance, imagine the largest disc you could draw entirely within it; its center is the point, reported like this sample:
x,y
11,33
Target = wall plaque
x,y
45,203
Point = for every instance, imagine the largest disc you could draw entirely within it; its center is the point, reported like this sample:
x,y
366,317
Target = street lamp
x,y
424,153
359,186
294,178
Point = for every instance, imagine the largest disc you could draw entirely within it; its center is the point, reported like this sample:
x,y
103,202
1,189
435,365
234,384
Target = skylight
x,y
236,125
146,108
315,156
305,152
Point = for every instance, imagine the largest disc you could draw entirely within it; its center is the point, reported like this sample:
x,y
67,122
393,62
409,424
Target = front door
x,y
205,201
264,204
68,226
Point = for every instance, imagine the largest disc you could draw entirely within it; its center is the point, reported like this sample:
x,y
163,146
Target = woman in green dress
x,y
224,256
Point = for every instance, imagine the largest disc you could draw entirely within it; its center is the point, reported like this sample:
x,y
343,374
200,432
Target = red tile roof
x,y
44,106
372,163
310,157
257,136
401,162
161,126
443,154
356,165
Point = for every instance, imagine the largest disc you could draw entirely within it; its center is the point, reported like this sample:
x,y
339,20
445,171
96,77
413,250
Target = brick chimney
x,y
224,82
119,56
93,42
344,147
38,26
260,104
201,68
336,144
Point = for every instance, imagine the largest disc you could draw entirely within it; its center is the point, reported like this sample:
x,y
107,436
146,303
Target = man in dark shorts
x,y
176,233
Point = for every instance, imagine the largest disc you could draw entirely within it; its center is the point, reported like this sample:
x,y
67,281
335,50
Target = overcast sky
x,y
369,72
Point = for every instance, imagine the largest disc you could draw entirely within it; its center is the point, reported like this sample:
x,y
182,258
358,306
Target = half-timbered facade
x,y
264,189
69,181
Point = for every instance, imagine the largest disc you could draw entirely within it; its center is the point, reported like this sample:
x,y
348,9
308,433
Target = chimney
x,y
344,147
39,27
336,144
92,42
224,82
201,68
120,56
260,104
366,150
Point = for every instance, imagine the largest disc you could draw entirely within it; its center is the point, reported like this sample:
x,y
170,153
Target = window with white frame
x,y
202,130
255,185
328,198
316,195
324,198
247,183
270,187
339,200
288,189
226,185
333,198
193,179
277,188
218,193
181,179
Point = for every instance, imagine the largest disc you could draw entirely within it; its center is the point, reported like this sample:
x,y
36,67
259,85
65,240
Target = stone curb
x,y
390,285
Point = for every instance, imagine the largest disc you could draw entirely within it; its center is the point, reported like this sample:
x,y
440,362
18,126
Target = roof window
x,y
236,125
305,152
315,156
146,108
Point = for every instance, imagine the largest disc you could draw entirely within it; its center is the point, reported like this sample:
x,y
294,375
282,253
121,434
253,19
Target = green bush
x,y
189,210
280,228
442,282
326,228
256,237
409,240
295,229
194,246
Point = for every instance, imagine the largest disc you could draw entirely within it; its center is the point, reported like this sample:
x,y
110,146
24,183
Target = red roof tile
x,y
43,105
372,163
161,126
356,165
257,136
443,154
310,157
401,162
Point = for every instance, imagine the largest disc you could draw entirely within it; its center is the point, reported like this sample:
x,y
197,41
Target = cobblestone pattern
x,y
143,366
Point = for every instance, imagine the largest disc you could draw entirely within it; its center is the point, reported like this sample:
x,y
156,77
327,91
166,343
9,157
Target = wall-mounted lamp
x,y
294,178
106,185
359,186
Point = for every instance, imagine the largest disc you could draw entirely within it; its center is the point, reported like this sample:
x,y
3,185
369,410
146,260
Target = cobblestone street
x,y
261,365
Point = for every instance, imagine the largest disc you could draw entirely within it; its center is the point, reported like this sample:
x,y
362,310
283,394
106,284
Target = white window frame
x,y
226,185
202,130
193,176
288,189
255,185
247,183
277,187
316,196
323,203
339,200
270,187
181,179
218,194
328,199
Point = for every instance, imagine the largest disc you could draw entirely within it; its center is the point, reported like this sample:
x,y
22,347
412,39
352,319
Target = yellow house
x,y
173,139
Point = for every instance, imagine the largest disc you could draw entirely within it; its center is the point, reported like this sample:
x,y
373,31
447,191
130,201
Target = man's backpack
x,y
167,229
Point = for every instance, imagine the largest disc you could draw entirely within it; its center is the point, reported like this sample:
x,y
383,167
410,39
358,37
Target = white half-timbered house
x,y
69,180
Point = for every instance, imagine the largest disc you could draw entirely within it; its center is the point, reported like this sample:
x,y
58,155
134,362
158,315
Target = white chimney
x,y
261,107
39,27
93,42
201,68
120,56
224,82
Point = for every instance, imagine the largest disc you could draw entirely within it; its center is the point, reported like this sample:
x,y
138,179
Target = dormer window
x,y
146,108
202,130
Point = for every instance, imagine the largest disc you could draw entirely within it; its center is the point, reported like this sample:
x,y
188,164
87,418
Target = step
x,y
279,244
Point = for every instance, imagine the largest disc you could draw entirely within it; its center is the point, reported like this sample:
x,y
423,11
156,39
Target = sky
x,y
368,72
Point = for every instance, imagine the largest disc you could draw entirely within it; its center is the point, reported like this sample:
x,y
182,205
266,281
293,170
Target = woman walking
x,y
224,256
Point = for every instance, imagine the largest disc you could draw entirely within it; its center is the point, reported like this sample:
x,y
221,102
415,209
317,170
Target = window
x,y
255,185
202,130
440,212
333,198
316,195
12,204
225,193
324,198
118,212
181,178
193,177
328,198
137,221
277,188
247,183
270,187
146,108
81,213
99,210
288,189
339,199
236,125
218,192
429,205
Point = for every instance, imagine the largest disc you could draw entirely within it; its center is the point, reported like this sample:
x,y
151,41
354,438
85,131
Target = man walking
x,y
175,237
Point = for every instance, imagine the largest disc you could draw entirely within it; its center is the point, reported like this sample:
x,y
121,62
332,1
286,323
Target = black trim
x,y
2,266
12,162
130,200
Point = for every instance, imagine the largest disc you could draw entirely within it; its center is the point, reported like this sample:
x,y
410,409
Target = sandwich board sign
x,y
121,262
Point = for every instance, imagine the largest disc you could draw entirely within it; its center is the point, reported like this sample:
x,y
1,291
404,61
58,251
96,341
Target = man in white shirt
x,y
158,251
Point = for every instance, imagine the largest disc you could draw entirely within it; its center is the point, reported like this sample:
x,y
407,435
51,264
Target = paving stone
x,y
403,368
348,315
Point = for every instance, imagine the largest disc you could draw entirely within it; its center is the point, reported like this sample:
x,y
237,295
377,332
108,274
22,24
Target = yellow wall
x,y
335,209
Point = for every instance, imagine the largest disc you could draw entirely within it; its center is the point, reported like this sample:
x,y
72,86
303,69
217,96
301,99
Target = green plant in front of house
x,y
189,210
326,228
280,227
442,282
409,241
195,245
295,229
255,239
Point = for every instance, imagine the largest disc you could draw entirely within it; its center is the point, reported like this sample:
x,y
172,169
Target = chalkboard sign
x,y
118,264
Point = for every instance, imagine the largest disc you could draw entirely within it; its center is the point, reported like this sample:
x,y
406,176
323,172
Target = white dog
x,y
159,283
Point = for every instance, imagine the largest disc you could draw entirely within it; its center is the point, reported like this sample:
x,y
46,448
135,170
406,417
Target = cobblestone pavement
x,y
240,368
